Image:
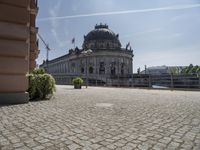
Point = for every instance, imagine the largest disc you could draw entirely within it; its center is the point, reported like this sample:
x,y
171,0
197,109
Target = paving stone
x,y
111,146
73,146
135,119
38,147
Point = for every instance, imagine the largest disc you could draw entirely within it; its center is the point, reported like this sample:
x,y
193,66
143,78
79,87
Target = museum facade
x,y
101,60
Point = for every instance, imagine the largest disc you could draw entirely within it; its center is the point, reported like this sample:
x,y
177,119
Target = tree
x,y
174,71
191,69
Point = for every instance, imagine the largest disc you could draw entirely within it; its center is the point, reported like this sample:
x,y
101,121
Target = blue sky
x,y
161,32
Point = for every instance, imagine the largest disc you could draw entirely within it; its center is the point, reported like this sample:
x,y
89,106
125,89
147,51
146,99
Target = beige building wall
x,y
18,48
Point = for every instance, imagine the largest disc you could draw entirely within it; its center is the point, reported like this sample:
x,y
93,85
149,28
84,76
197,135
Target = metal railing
x,y
136,80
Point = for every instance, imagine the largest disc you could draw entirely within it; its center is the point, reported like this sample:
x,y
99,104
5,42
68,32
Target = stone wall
x,y
16,22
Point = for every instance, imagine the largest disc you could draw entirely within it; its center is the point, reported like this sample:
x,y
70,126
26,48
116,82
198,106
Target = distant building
x,y
101,58
162,70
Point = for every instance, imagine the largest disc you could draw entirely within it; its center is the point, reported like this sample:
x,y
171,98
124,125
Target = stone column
x,y
97,66
107,65
33,35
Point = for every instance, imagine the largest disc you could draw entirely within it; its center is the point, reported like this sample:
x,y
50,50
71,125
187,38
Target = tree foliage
x,y
191,69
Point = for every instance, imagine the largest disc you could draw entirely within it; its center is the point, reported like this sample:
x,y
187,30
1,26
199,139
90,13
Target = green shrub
x,y
38,71
41,85
77,81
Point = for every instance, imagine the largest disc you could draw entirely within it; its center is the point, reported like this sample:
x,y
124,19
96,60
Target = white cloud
x,y
176,7
55,25
175,18
153,30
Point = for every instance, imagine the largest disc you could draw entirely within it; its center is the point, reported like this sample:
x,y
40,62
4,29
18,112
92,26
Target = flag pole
x,y
73,42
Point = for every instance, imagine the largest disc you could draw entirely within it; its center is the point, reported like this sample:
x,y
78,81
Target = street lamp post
x,y
118,63
87,53
86,71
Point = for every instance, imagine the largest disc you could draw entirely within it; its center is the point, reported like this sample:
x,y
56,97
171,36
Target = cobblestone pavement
x,y
103,119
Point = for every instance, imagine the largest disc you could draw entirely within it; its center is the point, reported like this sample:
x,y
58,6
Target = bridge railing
x,y
152,81
139,80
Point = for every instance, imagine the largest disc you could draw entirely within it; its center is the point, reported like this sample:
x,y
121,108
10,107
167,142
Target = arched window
x,y
112,68
122,68
108,45
82,70
102,68
91,70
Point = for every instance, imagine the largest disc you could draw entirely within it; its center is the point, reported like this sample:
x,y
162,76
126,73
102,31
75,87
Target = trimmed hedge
x,y
77,81
41,85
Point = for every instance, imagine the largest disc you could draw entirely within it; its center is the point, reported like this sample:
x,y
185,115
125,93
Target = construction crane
x,y
47,48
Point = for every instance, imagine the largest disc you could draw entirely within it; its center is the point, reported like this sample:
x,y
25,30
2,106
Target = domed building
x,y
102,60
101,38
